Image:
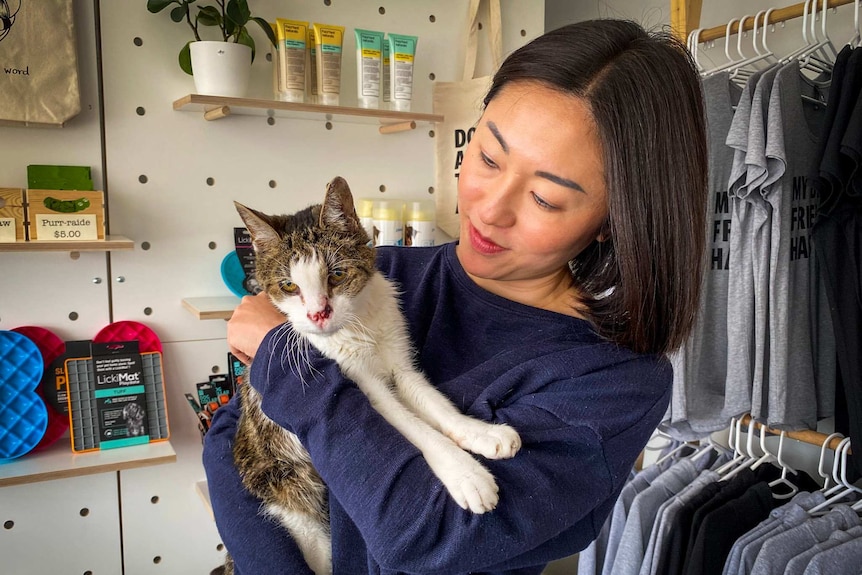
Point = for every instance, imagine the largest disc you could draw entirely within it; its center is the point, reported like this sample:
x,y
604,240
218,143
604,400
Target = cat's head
x,y
315,263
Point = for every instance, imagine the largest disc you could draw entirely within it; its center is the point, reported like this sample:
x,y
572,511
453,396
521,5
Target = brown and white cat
x,y
318,269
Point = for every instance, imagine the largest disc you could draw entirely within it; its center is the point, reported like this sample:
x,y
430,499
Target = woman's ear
x,y
604,232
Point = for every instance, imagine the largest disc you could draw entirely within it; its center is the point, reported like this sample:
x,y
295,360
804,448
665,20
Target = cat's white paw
x,y
470,485
488,440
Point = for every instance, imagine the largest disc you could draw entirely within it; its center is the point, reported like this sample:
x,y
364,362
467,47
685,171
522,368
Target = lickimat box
x,y
12,215
66,215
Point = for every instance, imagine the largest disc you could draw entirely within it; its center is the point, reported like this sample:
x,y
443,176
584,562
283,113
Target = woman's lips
x,y
482,244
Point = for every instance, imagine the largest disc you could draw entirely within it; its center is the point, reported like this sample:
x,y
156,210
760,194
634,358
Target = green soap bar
x,y
47,177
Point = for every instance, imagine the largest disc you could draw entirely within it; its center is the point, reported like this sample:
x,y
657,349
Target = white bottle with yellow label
x,y
421,223
388,223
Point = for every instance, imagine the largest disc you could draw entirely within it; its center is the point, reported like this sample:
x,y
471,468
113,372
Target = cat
x,y
318,268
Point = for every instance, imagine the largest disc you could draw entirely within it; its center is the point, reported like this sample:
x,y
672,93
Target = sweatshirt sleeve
x,y
257,545
549,492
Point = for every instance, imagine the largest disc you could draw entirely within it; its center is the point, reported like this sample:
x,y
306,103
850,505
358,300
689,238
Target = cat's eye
x,y
289,287
336,277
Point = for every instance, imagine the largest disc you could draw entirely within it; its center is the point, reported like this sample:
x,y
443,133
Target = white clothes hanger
x,y
767,456
816,57
820,471
693,47
784,470
842,488
733,442
857,38
749,458
742,70
806,43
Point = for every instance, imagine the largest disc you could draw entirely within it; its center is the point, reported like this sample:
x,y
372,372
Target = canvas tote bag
x,y
38,70
460,104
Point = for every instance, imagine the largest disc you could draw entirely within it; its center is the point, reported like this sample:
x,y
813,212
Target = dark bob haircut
x,y
641,286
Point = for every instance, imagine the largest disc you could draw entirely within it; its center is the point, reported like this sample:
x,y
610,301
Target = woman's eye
x,y
336,277
288,287
542,203
488,161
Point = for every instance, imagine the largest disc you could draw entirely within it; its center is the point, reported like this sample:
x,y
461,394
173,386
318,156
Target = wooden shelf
x,y
59,462
110,243
215,107
219,307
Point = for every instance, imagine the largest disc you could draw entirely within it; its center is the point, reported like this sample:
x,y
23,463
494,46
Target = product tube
x,y
276,69
292,55
328,40
387,80
369,64
311,75
402,53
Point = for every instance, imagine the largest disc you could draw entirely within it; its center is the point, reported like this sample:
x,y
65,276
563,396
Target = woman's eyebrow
x,y
548,176
494,130
561,181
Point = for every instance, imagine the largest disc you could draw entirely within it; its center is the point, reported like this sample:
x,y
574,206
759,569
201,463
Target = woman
x,y
582,201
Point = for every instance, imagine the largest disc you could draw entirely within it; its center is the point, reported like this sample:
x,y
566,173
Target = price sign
x,y
66,227
7,229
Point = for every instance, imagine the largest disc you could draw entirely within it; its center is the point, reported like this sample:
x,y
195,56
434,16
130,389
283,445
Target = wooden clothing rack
x,y
685,17
805,436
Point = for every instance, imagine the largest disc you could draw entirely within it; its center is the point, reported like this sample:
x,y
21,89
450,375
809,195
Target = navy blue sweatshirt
x,y
584,408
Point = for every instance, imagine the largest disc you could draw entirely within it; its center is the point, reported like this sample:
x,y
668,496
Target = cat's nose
x,y
321,316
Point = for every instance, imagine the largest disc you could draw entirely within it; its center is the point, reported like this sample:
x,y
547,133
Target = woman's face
x,y
531,191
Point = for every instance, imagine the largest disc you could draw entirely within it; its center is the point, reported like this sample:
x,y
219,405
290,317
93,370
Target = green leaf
x,y
238,11
155,6
245,38
178,14
267,29
209,16
185,59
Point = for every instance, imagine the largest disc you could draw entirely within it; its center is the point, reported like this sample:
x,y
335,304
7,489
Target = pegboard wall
x,y
171,178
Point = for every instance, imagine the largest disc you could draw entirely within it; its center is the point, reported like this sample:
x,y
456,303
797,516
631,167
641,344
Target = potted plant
x,y
220,67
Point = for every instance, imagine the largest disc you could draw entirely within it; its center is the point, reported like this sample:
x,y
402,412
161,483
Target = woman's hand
x,y
251,321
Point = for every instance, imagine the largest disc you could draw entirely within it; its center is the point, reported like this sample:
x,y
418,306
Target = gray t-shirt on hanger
x,y
748,282
700,366
793,297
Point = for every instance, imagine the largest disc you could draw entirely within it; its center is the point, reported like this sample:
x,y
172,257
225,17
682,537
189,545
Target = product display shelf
x,y
110,243
215,107
219,307
59,462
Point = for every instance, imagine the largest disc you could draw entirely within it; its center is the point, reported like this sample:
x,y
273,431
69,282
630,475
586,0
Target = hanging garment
x,y
792,512
793,353
666,516
798,564
779,549
636,532
845,557
731,514
838,238
671,561
600,553
700,366
746,305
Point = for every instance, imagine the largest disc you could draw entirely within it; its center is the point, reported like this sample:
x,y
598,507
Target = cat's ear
x,y
259,226
338,210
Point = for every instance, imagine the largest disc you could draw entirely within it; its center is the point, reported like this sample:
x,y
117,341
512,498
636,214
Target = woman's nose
x,y
498,205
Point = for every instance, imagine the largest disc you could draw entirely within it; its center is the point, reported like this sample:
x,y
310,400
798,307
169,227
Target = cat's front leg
x,y
471,485
494,441
490,440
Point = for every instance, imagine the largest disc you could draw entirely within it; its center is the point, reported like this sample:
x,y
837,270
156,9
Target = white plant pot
x,y
220,68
